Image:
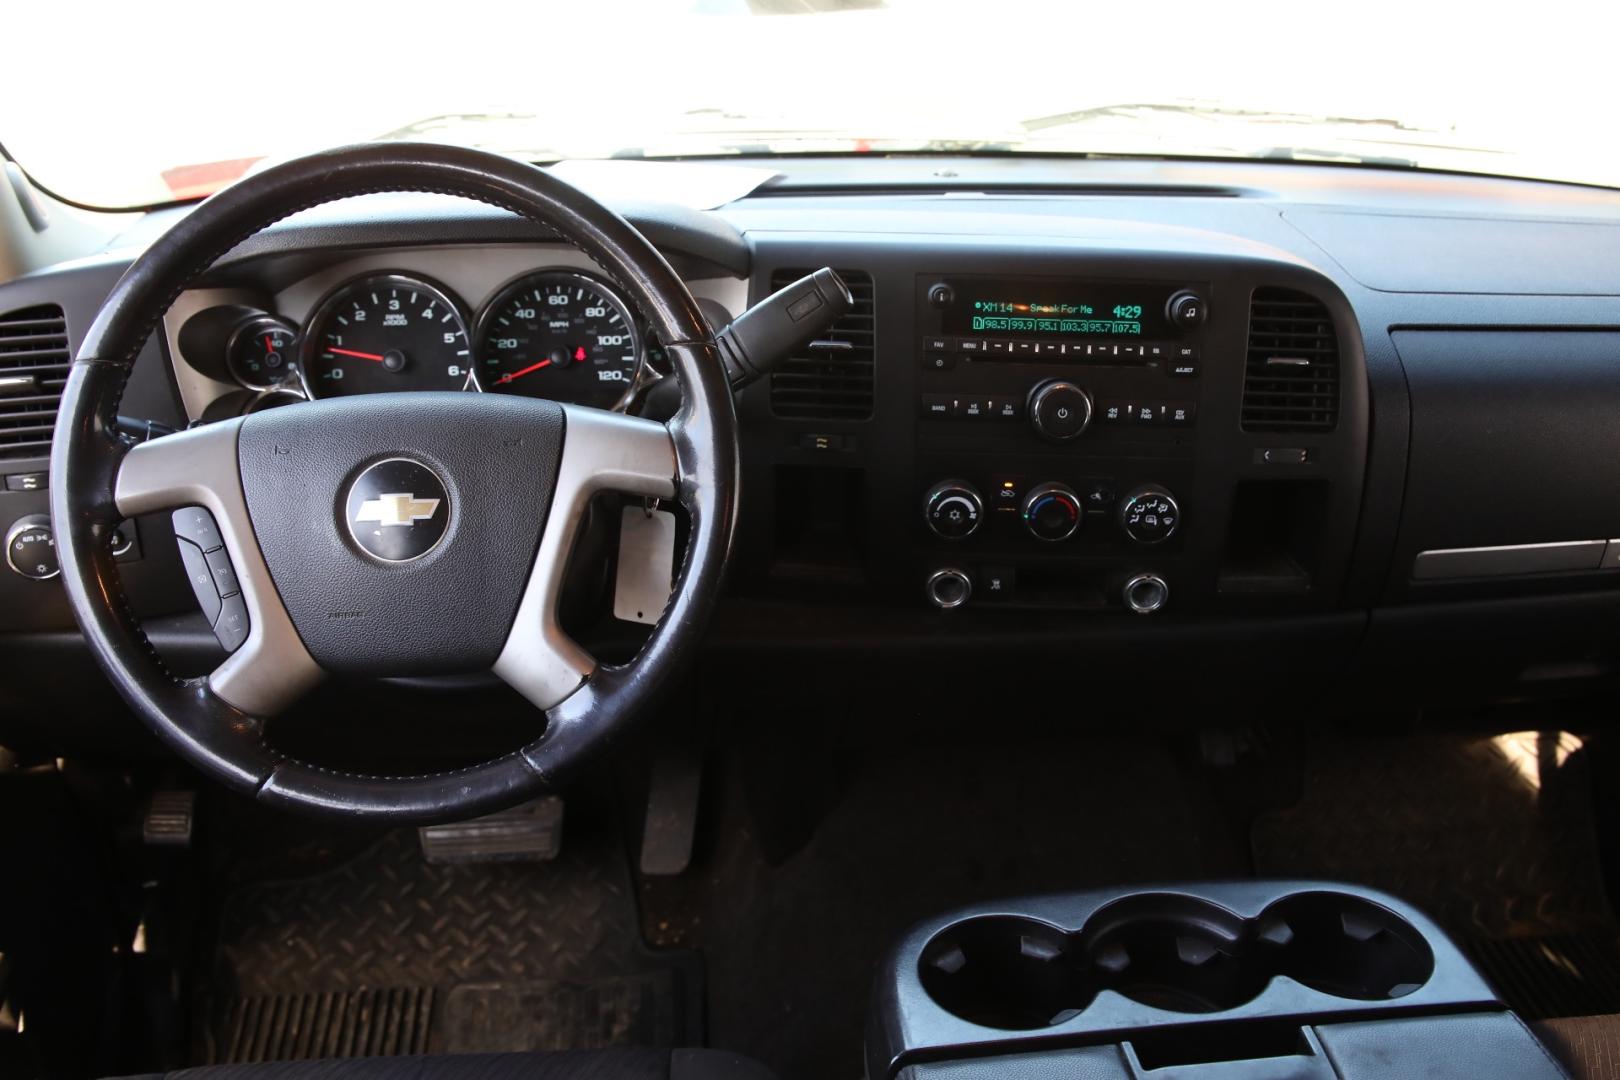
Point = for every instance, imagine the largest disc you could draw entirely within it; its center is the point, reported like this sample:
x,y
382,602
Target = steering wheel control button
x,y
1186,310
1052,512
31,548
949,588
397,510
1146,593
231,627
219,564
953,509
1149,515
197,525
1059,410
201,578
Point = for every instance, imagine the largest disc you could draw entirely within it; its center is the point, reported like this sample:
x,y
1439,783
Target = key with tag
x,y
646,564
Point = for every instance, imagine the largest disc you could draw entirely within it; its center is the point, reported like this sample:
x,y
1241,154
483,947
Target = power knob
x,y
953,509
1059,410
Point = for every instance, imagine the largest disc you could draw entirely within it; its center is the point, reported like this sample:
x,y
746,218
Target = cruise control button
x,y
197,525
201,578
219,563
231,628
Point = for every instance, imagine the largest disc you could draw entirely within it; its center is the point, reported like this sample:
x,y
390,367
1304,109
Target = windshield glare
x,y
139,104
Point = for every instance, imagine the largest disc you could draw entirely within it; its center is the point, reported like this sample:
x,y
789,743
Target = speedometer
x,y
386,332
559,335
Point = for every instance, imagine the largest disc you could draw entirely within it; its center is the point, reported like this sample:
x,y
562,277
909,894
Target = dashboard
x,y
1100,442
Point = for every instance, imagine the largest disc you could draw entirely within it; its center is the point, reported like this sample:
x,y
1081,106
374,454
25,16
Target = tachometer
x,y
387,332
559,335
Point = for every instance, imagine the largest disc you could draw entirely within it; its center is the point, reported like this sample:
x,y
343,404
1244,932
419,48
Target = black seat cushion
x,y
612,1064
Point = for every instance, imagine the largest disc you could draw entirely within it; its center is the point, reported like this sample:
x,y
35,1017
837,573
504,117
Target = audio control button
x,y
1006,408
939,406
1059,410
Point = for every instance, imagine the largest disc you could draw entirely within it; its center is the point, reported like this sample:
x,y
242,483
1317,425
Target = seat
x,y
611,1064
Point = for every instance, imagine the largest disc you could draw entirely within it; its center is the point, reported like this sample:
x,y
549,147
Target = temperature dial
x,y
1149,515
953,509
1052,512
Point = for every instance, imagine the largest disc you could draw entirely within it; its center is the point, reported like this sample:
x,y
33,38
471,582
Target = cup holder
x,y
1346,946
1173,952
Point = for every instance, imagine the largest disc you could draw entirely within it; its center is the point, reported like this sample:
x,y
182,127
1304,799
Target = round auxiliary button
x,y
1146,593
1052,512
949,588
953,509
1059,410
31,548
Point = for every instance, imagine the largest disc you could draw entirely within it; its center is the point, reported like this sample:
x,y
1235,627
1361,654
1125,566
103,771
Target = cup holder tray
x,y
1094,963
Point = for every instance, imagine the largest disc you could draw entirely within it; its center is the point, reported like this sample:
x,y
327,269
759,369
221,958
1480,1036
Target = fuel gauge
x,y
262,353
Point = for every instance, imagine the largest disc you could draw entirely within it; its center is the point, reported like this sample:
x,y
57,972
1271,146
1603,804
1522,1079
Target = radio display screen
x,y
995,307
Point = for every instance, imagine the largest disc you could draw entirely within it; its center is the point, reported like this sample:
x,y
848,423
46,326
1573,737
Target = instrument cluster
x,y
558,333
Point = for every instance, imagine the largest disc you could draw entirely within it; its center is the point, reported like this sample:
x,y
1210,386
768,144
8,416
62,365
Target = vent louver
x,y
1291,381
33,369
832,380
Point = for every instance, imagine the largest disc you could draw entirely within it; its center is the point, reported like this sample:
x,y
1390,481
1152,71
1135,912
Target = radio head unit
x,y
1062,308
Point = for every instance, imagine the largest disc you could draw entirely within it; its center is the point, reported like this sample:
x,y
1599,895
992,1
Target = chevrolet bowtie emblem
x,y
397,508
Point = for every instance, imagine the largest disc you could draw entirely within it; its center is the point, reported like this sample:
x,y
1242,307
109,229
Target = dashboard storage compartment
x,y
1179,977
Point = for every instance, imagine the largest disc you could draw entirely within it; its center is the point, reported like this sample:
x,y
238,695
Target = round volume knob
x,y
1149,515
953,509
1059,410
1052,512
31,548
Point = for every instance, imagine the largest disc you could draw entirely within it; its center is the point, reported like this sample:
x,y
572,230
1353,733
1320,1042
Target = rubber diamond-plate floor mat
x,y
392,954
1493,836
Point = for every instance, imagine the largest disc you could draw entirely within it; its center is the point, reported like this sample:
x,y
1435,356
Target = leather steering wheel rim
x,y
89,494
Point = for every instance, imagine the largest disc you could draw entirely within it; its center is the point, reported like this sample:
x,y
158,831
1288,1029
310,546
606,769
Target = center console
x,y
1056,422
1260,980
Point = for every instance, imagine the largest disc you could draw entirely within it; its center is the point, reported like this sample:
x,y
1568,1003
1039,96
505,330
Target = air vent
x,y
832,379
1291,383
33,369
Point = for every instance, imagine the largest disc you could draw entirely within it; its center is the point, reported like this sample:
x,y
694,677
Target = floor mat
x,y
791,949
1494,837
390,953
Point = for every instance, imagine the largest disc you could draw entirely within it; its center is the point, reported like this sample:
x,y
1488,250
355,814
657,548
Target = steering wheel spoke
x,y
270,669
602,451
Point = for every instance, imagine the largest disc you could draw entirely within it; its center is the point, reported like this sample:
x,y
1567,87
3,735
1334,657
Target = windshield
x,y
136,104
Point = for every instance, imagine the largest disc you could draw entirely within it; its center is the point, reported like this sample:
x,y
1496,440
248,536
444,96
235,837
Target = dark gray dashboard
x,y
1477,332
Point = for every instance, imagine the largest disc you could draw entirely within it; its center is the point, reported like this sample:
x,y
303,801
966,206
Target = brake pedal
x,y
531,832
169,819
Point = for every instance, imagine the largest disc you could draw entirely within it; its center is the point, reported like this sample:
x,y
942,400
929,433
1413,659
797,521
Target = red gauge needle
x,y
268,345
510,375
357,355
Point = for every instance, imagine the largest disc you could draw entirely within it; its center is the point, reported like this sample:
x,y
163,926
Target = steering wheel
x,y
287,490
